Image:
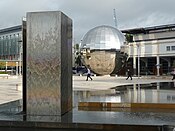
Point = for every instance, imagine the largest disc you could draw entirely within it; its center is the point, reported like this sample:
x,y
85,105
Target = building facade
x,y
151,50
11,48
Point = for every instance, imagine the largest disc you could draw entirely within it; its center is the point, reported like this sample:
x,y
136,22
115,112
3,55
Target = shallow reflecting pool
x,y
163,92
153,92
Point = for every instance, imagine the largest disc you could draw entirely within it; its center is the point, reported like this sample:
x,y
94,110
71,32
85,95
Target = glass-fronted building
x,y
10,43
11,49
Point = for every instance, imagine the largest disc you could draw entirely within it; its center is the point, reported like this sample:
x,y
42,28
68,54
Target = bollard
x,y
16,87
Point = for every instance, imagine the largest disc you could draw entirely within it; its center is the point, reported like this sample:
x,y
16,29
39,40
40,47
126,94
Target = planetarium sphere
x,y
103,37
101,49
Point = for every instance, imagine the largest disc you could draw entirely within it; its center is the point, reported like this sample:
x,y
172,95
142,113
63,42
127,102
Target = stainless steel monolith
x,y
49,63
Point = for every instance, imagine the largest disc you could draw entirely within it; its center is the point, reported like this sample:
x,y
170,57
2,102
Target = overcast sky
x,y
87,14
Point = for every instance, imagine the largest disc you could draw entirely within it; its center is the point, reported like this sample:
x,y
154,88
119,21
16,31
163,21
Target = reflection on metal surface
x,y
104,62
100,47
103,38
101,62
49,47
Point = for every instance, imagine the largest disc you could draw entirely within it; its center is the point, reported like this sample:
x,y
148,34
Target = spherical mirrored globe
x,y
101,49
103,37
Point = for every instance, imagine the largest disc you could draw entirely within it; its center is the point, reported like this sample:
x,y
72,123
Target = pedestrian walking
x,y
129,74
88,74
173,73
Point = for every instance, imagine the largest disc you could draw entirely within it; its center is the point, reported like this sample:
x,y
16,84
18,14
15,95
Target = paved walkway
x,y
10,89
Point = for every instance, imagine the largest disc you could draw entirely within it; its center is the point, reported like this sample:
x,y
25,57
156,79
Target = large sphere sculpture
x,y
101,47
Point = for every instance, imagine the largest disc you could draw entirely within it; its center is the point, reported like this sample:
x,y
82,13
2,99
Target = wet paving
x,y
145,93
125,117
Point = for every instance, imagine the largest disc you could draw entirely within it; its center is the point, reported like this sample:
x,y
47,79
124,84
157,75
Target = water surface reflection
x,y
163,92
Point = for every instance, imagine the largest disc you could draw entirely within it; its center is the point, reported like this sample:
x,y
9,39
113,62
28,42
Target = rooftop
x,y
11,29
146,30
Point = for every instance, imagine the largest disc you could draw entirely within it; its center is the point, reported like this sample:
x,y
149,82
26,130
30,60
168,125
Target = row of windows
x,y
170,48
9,36
10,45
162,30
9,57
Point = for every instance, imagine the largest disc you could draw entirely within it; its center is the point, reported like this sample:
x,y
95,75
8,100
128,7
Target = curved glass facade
x,y
103,37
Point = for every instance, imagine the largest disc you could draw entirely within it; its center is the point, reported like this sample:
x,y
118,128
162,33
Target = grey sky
x,y
86,14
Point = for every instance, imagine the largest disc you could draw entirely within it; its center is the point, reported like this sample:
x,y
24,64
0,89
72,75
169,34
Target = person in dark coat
x,y
173,73
129,74
88,74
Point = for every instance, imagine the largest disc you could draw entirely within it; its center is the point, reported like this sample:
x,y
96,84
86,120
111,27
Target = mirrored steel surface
x,y
99,47
103,37
101,62
49,56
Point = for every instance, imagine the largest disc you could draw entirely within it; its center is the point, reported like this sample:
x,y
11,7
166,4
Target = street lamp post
x,y
16,68
138,55
6,66
20,55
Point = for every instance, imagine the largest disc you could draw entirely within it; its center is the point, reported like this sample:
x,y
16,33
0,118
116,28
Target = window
x,y
173,48
168,48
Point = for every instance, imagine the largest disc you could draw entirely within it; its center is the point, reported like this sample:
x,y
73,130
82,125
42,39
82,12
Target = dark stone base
x,y
55,126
